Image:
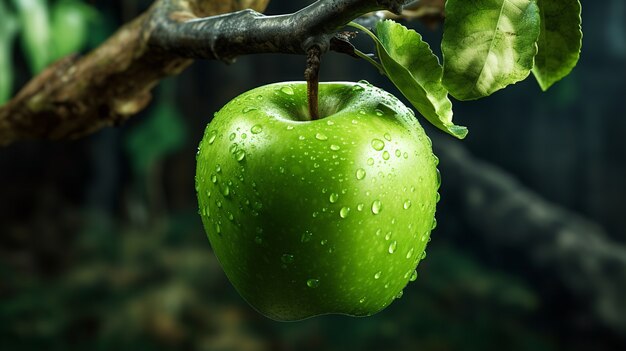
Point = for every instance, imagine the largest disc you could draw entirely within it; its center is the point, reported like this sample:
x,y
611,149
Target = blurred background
x,y
101,246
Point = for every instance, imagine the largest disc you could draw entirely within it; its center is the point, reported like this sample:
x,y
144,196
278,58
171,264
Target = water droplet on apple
x,y
436,159
423,255
387,136
306,237
376,207
398,153
388,235
287,90
287,258
378,144
410,253
357,88
344,212
434,224
301,137
218,203
335,147
240,155
256,129
248,109
393,246
413,276
354,121
212,136
405,155
377,275
379,231
370,161
226,190
218,229
438,178
333,198
362,300
407,204
359,207
320,136
323,242
330,123
363,81
232,136
258,240
289,127
379,112
313,283
360,173
213,178
438,198
400,294
385,155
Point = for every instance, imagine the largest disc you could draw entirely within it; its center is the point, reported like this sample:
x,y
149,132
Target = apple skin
x,y
316,217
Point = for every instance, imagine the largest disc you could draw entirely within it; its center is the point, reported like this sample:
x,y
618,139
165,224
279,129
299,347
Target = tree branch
x,y
77,96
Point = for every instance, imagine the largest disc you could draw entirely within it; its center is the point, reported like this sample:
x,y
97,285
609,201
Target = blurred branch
x,y
79,95
570,251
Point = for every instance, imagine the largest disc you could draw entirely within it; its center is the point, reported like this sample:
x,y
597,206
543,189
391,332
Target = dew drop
x,y
212,136
226,190
344,212
258,240
313,283
385,155
370,161
438,178
218,229
287,258
256,129
405,155
330,123
301,137
376,207
213,178
289,127
333,198
362,300
232,136
248,109
407,204
320,136
388,235
359,207
436,160
398,153
287,90
378,144
434,224
387,137
379,112
306,237
335,147
410,253
240,155
400,294
357,87
323,242
360,173
413,276
377,275
438,198
393,246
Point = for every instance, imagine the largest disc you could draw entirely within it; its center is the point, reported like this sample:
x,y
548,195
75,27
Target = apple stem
x,y
311,74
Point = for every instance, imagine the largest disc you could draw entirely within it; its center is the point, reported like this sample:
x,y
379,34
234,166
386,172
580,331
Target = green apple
x,y
310,217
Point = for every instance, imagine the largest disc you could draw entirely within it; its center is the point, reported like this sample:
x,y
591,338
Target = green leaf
x,y
161,134
559,42
411,65
488,44
8,29
35,26
70,26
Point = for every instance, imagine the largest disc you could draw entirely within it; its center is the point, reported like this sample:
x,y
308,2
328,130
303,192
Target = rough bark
x,y
566,249
78,95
